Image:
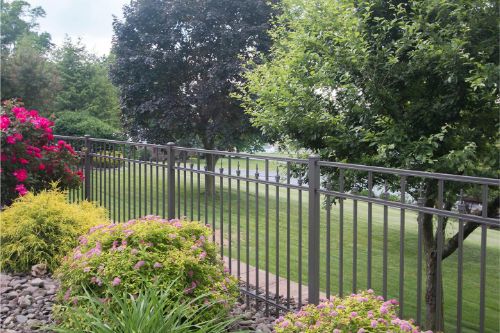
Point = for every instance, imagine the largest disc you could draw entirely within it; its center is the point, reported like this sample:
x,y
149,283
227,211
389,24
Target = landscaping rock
x,y
37,282
26,303
39,270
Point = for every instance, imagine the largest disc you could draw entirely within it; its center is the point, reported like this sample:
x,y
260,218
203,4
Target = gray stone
x,y
33,323
51,291
37,282
39,270
21,319
10,295
24,301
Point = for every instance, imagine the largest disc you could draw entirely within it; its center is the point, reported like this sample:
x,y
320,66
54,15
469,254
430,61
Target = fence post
x,y
314,229
171,180
87,165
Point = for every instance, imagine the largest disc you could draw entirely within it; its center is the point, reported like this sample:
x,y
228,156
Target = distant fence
x,y
333,227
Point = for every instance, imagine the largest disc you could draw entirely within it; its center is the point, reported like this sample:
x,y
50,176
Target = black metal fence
x,y
295,230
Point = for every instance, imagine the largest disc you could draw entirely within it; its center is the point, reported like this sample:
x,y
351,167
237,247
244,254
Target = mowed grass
x,y
128,196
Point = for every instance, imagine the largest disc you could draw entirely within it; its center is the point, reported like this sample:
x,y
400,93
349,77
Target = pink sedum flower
x,y
116,281
139,264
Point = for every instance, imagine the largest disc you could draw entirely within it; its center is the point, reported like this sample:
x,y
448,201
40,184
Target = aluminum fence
x,y
296,230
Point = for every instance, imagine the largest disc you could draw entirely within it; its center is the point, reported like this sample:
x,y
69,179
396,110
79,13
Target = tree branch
x,y
452,243
469,227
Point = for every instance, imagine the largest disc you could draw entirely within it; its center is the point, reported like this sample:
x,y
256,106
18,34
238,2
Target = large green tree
x,y
406,84
84,84
19,19
176,64
25,68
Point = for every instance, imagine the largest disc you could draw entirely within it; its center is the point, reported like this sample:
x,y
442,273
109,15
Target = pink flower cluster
x,y
359,313
30,159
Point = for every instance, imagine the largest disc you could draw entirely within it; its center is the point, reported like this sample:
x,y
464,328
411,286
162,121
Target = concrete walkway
x,y
281,282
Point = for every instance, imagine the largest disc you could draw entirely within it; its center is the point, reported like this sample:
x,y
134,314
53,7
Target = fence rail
x,y
334,228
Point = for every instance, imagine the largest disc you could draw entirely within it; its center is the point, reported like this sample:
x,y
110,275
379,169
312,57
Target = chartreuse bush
x,y
42,228
357,313
150,311
143,254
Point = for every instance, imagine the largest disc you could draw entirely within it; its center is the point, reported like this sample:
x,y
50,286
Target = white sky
x,y
91,20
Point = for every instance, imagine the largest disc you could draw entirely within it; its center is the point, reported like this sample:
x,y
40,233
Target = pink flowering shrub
x,y
30,158
358,313
150,252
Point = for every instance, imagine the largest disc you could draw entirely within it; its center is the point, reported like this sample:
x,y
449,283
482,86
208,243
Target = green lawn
x,y
147,197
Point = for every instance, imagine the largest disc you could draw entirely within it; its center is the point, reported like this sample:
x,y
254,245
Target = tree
x,y
176,64
28,74
85,85
25,71
15,27
405,84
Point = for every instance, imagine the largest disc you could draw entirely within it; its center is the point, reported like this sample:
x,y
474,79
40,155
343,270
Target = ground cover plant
x,y
42,228
31,159
363,312
149,311
146,253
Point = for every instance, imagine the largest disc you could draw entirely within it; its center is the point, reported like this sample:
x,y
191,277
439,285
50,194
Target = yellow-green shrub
x,y
150,252
42,228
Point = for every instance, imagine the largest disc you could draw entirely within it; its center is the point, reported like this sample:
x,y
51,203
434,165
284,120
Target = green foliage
x,y
176,64
392,83
362,312
82,123
143,254
85,86
42,228
28,74
151,310
15,26
105,159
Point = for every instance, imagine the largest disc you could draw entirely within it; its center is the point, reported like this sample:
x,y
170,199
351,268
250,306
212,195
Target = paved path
x,y
281,282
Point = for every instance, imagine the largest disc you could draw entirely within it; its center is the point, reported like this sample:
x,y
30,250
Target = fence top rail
x,y
340,165
252,156
414,173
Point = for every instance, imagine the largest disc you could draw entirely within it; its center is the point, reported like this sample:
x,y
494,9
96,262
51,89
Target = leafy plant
x,y
31,159
81,123
360,313
147,253
149,311
42,228
106,159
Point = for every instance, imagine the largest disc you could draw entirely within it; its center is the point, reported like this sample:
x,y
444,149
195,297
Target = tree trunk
x,y
431,316
432,280
211,161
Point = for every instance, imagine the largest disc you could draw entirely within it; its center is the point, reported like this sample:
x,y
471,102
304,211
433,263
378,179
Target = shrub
x,y
42,228
149,311
31,160
359,313
106,159
142,254
82,123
